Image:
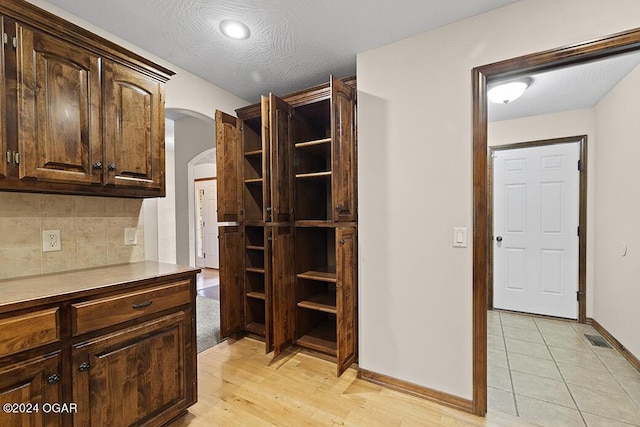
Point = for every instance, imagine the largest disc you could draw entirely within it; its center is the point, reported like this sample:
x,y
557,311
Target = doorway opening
x,y
580,53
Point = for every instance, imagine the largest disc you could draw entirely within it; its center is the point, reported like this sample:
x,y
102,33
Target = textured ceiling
x,y
294,44
568,88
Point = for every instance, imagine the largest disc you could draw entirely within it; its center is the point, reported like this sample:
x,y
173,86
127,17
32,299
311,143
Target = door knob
x,y
499,239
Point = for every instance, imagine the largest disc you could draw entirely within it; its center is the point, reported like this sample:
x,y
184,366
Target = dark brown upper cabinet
x,y
59,136
228,153
133,128
343,178
80,114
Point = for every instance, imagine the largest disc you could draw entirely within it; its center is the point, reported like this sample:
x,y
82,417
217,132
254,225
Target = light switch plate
x,y
51,241
130,236
459,237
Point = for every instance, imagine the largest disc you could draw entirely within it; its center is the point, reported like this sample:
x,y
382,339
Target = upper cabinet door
x,y
346,297
281,138
59,134
344,151
133,128
228,154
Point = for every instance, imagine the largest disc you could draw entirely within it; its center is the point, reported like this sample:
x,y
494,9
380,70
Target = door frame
x,y
598,48
581,140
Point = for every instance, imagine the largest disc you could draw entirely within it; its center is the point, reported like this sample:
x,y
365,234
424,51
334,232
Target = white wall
x,y
617,212
186,92
559,125
415,183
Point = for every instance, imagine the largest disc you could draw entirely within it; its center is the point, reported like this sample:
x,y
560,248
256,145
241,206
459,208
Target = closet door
x,y
283,288
281,138
231,280
228,169
343,179
346,297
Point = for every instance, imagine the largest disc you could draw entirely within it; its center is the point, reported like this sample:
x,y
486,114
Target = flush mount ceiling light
x,y
234,29
503,93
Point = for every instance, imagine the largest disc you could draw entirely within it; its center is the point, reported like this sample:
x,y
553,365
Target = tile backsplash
x,y
91,232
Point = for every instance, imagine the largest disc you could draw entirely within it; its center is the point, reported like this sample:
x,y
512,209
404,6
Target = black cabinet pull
x,y
84,366
142,304
339,208
112,167
97,165
342,242
53,378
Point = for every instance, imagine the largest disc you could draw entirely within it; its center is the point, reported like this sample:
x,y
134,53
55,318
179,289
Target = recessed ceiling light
x,y
504,93
234,29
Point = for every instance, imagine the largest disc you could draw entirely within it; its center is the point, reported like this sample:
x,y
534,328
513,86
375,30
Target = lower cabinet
x,y
130,376
114,355
28,388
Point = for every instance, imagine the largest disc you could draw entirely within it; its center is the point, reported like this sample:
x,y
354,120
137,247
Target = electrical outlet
x,y
51,241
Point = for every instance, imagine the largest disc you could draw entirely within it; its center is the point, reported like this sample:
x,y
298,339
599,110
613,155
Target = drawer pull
x,y
84,366
53,378
142,304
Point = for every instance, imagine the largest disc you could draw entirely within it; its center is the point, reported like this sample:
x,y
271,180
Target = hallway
x,y
547,372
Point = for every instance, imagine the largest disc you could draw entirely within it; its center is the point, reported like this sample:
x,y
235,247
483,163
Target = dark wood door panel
x,y
133,128
344,151
346,297
130,376
283,286
32,382
59,133
228,156
281,138
231,280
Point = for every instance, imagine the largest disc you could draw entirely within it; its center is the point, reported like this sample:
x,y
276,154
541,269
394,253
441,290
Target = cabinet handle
x,y
97,165
342,242
269,209
84,366
112,167
339,208
53,378
142,304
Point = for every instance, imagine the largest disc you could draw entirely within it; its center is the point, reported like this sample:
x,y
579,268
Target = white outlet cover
x,y
130,236
51,241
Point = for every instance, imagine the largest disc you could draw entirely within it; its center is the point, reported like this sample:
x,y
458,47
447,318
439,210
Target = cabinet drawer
x,y
28,331
92,315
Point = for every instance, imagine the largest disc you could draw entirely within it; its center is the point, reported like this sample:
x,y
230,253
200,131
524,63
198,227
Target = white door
x,y
535,229
206,224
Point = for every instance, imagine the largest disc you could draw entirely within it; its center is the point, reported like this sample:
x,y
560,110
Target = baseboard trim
x,y
436,396
626,353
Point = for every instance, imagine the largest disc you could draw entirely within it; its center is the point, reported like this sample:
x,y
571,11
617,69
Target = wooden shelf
x,y
321,276
253,181
322,339
255,248
253,153
312,143
255,270
315,223
313,175
323,302
256,328
256,295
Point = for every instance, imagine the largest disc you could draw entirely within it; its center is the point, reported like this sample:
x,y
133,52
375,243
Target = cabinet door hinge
x,y
9,156
578,294
5,39
15,42
578,231
16,157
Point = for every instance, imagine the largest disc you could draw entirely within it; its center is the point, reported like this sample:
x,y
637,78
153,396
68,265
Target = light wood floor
x,y
240,385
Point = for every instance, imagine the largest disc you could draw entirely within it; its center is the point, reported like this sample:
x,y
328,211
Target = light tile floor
x,y
546,372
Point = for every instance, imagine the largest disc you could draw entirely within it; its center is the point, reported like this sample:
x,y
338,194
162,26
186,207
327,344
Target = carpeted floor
x,y
207,323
